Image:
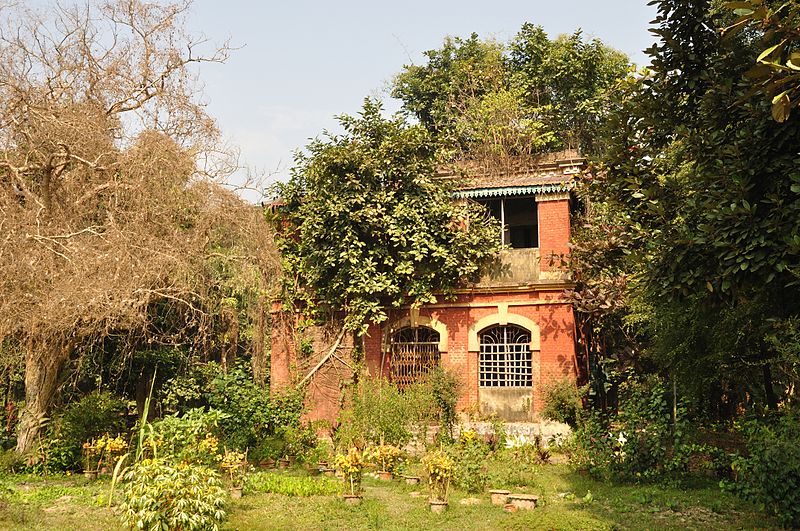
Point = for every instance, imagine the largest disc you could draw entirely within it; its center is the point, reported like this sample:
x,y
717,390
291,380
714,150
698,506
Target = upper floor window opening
x,y
520,219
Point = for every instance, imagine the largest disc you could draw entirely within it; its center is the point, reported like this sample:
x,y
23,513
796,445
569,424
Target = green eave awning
x,y
480,193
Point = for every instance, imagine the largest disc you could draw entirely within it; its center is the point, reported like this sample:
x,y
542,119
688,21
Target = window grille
x,y
505,357
413,353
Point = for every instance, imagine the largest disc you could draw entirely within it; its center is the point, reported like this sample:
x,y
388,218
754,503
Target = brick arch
x,y
419,320
502,318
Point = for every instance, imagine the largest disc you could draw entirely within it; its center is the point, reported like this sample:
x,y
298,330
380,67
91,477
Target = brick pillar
x,y
553,229
283,348
373,352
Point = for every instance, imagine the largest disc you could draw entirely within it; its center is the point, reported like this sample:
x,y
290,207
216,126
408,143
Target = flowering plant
x,y
351,466
439,467
105,450
234,463
386,456
468,437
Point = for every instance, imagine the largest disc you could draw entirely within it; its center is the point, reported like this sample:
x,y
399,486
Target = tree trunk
x,y
772,399
42,367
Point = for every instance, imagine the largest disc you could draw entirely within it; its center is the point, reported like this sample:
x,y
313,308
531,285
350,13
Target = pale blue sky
x,y
303,62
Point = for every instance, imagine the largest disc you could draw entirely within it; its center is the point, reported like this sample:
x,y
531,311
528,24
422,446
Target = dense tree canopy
x,y
693,219
109,226
487,99
370,227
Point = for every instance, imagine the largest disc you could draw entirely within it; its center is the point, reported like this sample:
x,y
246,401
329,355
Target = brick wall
x,y
553,231
555,359
554,318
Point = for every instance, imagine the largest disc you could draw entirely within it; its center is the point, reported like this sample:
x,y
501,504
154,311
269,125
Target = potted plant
x,y
439,467
387,457
90,459
109,449
351,465
234,463
264,455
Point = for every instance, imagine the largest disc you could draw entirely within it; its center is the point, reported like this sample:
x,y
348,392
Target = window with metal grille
x,y
413,353
505,357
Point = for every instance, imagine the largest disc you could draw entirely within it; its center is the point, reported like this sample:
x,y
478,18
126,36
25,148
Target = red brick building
x,y
507,335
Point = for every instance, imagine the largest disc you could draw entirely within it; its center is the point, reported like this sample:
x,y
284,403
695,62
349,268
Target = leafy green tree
x,y
369,227
776,73
528,96
697,203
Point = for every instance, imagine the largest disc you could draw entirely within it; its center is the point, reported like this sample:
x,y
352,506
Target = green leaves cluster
x,y
770,472
489,99
159,494
776,73
368,226
300,486
694,209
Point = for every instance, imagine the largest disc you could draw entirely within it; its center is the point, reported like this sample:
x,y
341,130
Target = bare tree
x,y
108,203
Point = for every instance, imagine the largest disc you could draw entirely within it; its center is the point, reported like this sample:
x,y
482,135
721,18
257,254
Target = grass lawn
x,y
73,503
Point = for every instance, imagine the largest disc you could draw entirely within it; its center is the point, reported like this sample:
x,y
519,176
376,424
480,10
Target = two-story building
x,y
509,334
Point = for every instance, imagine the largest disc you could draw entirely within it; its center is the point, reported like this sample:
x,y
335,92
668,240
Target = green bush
x,y
640,442
379,413
445,389
252,414
158,494
562,402
90,417
770,473
376,416
188,390
469,456
189,438
299,441
293,486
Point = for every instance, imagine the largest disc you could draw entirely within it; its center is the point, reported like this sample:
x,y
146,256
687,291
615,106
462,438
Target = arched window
x,y
413,352
505,358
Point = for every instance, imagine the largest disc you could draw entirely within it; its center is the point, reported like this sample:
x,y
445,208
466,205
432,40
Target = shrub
x,y
299,441
251,413
188,390
469,457
641,442
440,469
562,402
386,457
380,413
90,417
770,474
189,437
158,494
445,389
351,465
376,416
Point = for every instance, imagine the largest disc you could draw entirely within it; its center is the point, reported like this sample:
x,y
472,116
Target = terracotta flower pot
x,y
90,474
411,480
523,501
384,475
283,463
438,506
330,472
499,496
352,499
236,493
